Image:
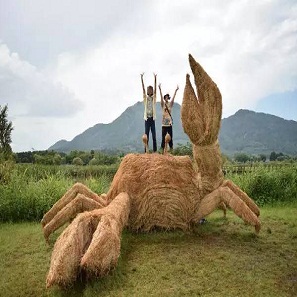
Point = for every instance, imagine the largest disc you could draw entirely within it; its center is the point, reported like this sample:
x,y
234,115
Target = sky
x,y
67,65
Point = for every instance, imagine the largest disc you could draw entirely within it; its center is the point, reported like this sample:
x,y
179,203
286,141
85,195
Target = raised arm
x,y
172,101
143,88
162,100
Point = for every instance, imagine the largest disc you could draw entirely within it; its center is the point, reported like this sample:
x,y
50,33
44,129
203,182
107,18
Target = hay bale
x,y
161,188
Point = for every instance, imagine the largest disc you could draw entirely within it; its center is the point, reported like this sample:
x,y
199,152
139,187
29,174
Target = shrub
x,y
267,186
77,161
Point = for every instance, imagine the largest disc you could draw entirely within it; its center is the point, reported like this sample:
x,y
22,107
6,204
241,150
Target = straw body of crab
x,y
148,190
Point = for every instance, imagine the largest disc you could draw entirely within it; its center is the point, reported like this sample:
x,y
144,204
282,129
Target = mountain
x,y
257,133
124,133
246,131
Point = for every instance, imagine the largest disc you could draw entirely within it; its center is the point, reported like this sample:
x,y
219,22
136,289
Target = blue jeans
x,y
150,124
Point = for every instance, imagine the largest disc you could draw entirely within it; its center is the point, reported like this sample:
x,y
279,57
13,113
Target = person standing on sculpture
x,y
167,121
149,101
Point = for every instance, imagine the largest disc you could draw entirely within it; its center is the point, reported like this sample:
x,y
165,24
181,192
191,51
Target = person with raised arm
x,y
149,101
167,120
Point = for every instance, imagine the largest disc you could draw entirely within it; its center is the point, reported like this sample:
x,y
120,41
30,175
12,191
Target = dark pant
x,y
166,130
150,124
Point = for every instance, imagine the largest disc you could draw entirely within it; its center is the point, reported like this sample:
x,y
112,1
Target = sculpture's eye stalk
x,y
201,117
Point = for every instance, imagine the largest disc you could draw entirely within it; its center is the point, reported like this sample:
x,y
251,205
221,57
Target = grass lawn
x,y
223,257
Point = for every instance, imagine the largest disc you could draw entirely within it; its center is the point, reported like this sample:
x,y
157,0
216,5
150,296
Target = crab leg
x,y
79,204
226,195
77,188
243,196
91,242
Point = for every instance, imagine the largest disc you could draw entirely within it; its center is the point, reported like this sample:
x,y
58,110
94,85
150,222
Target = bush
x,y
269,186
77,161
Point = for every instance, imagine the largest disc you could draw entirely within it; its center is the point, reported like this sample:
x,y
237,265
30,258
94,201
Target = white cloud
x,y
28,92
248,48
37,106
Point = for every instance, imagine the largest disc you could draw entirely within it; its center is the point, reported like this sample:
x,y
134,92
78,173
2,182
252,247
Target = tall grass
x,y
37,171
28,191
31,191
268,186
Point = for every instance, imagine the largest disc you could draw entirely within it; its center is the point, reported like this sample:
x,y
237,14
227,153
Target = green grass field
x,y
223,257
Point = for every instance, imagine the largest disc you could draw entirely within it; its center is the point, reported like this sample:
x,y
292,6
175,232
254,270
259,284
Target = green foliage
x,y
279,157
90,171
27,200
5,133
267,186
94,161
32,190
183,150
241,157
6,170
28,191
262,157
273,156
57,159
105,159
72,172
77,161
25,157
74,157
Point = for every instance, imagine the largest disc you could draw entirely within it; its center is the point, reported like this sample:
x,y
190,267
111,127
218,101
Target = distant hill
x,y
245,131
123,134
257,133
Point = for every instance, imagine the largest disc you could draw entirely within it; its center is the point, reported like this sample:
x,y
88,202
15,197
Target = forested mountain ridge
x,y
257,133
244,132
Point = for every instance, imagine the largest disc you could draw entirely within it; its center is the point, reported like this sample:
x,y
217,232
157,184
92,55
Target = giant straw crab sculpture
x,y
148,190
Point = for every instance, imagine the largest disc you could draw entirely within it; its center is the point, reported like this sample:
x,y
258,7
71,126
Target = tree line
x,y
74,157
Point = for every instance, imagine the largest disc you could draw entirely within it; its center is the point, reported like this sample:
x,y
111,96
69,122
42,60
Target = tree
x,y
183,150
262,157
94,161
57,159
241,157
273,156
77,161
5,132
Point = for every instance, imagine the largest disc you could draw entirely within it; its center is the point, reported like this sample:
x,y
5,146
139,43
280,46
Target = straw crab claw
x,y
201,113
